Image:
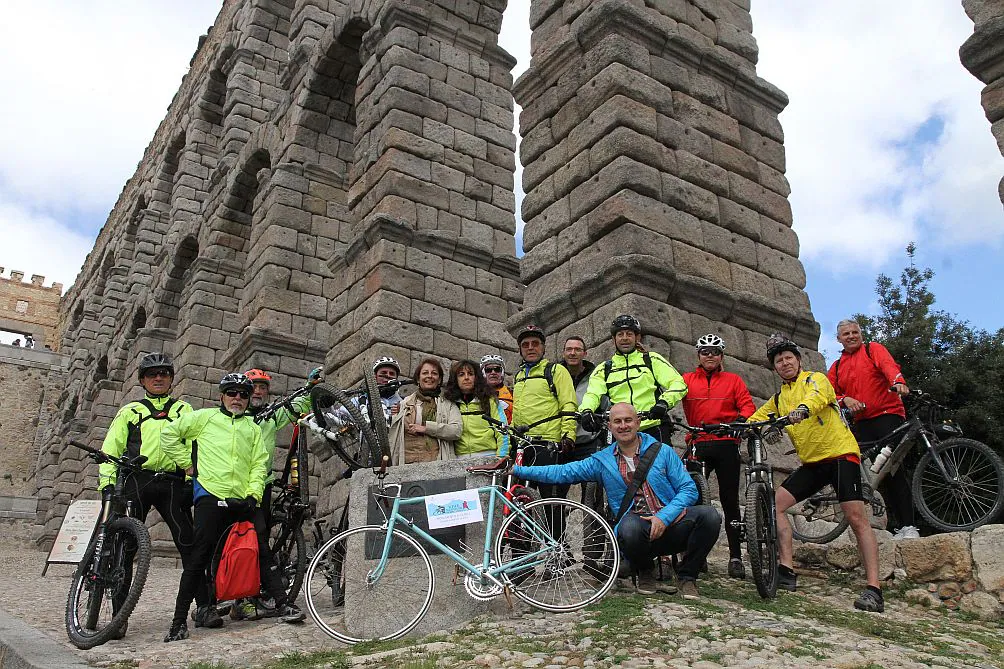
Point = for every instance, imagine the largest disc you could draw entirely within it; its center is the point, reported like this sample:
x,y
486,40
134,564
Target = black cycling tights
x,y
721,457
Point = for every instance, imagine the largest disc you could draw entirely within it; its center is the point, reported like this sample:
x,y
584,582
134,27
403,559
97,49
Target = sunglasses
x,y
154,373
710,351
243,394
493,370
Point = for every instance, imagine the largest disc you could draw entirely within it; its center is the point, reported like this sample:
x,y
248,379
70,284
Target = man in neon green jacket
x,y
643,379
229,463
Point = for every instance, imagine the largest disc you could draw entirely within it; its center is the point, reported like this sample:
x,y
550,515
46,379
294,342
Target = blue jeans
x,y
695,535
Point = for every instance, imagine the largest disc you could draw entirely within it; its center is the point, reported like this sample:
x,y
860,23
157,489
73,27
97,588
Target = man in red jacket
x,y
870,385
716,396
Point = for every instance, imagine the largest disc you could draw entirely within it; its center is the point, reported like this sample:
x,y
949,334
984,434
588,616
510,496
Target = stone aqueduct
x,y
334,181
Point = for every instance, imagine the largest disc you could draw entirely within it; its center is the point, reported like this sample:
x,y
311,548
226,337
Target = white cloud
x,y
39,244
863,78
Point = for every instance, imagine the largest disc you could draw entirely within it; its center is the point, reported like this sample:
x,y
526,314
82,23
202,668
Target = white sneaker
x,y
909,532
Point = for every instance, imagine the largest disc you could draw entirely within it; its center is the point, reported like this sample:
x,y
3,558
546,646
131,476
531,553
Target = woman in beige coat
x,y
427,425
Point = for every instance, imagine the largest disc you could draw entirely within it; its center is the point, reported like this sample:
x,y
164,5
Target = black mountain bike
x,y
957,484
109,579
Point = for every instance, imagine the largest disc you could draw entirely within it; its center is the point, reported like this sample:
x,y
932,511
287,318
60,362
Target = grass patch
x,y
209,665
336,659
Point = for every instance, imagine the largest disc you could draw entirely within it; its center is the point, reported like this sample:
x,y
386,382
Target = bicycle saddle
x,y
499,465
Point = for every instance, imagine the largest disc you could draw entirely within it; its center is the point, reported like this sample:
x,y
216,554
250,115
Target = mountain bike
x,y
109,579
759,525
545,571
957,484
693,464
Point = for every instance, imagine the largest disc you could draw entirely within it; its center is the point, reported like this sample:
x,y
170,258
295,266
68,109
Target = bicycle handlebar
x,y
132,464
284,402
518,432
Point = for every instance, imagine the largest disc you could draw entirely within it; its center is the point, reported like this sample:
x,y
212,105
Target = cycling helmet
x,y
236,380
777,343
625,322
257,375
155,361
710,341
492,358
530,330
386,361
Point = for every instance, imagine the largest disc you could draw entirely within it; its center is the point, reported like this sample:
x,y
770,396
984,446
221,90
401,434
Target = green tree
x,y
961,366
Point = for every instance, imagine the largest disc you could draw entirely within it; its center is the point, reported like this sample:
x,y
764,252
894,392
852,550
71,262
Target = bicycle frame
x,y
485,570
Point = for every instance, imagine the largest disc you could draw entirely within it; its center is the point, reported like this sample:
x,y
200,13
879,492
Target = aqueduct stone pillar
x,y
654,177
983,56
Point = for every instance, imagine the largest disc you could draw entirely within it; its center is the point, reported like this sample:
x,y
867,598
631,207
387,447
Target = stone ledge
x,y
24,647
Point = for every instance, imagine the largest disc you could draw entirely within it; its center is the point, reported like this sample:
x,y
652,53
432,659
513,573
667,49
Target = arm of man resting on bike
x,y
674,387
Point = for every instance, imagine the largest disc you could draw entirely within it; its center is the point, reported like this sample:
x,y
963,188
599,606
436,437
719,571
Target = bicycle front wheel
x,y
375,408
101,601
818,519
355,443
289,550
974,493
564,555
703,489
761,539
351,604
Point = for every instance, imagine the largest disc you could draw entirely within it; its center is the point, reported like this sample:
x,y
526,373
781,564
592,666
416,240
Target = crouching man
x,y
659,517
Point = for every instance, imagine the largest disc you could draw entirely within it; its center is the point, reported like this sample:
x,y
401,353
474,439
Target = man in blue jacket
x,y
660,519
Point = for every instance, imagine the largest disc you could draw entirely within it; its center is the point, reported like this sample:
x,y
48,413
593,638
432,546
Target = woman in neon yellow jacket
x,y
469,390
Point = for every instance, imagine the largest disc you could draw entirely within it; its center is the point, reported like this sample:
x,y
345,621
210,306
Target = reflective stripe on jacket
x,y
719,397
668,478
150,429
823,435
631,381
231,460
533,401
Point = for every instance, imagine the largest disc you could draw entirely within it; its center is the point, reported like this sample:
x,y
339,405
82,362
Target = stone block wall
x,y
30,308
983,55
654,173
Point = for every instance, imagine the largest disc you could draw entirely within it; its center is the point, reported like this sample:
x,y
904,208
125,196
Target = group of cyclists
x,y
226,455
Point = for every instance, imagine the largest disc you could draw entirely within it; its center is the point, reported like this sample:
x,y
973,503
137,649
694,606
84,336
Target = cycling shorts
x,y
843,474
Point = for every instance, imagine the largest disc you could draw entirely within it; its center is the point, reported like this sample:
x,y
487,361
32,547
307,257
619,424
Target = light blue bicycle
x,y
554,554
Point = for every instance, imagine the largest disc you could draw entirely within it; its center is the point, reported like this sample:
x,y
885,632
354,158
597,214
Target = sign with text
x,y
75,532
449,509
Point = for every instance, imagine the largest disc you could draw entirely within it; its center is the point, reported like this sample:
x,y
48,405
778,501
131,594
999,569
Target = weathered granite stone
x,y
941,557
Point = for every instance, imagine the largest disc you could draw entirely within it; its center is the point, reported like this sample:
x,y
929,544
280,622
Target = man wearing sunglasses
x,y
493,367
229,462
717,396
136,430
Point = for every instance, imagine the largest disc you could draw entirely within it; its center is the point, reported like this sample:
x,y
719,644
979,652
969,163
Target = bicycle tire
x,y
959,507
302,464
377,419
818,519
361,448
289,550
395,589
703,489
91,632
761,543
577,570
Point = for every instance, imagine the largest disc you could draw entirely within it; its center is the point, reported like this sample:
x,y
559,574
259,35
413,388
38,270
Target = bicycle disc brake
x,y
482,591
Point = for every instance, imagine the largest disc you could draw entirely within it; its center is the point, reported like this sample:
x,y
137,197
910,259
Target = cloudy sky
x,y
885,136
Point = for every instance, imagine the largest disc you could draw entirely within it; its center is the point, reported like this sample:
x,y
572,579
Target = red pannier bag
x,y
238,575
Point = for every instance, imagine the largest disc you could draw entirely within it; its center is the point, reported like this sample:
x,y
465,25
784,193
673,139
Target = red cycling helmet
x,y
258,376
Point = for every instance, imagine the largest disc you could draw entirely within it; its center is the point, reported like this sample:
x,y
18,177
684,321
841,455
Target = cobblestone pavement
x,y
729,626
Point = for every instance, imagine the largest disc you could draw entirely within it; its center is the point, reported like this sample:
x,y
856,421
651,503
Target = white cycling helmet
x,y
710,341
386,361
492,358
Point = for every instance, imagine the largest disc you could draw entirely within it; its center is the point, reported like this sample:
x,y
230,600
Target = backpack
x,y
548,376
237,575
836,365
608,367
134,439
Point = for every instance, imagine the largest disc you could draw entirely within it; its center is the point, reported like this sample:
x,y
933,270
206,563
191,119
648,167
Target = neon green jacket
x,y
478,435
533,400
279,420
231,460
823,435
632,381
134,429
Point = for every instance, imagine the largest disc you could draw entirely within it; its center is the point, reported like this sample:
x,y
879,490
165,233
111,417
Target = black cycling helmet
x,y
778,343
236,380
155,361
530,330
625,322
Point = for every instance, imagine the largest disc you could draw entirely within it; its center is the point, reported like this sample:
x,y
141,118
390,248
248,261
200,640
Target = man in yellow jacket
x,y
228,462
829,455
643,379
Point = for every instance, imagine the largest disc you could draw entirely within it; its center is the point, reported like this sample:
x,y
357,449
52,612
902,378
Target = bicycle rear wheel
x,y
289,549
377,418
761,540
973,496
355,443
574,555
348,607
818,519
99,603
